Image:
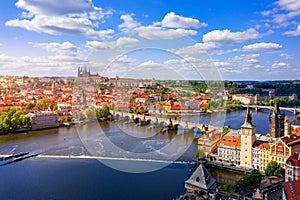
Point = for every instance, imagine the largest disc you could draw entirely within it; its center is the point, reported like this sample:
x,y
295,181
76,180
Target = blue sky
x,y
217,39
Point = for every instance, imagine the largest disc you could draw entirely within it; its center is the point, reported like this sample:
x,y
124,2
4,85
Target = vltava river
x,y
69,178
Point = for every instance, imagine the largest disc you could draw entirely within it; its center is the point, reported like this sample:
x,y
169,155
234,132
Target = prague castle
x,y
84,73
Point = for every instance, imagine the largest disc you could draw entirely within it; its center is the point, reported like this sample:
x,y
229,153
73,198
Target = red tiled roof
x,y
229,141
296,131
264,145
292,189
291,138
294,159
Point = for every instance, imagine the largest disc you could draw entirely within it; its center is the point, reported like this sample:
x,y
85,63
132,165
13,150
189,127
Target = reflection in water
x,y
225,176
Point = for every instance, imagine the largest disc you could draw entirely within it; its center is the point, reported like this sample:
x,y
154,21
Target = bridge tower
x,y
276,122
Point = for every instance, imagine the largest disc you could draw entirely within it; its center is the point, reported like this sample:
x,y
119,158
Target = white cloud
x,y
283,11
126,42
252,61
55,17
293,33
228,37
286,56
221,64
258,66
150,63
55,7
262,46
119,43
171,27
128,23
65,47
279,65
197,48
56,65
156,33
171,20
291,5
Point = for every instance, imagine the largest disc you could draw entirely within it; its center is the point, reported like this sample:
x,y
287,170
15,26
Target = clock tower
x,y
247,140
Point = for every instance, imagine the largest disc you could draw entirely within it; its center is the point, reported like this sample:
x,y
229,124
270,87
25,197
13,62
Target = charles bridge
x,y
173,123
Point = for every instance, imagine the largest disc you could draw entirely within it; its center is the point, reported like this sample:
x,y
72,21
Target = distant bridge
x,y
159,120
294,110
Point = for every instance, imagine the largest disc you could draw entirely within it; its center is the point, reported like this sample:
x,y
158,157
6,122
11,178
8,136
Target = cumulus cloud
x,y
53,65
171,20
217,38
283,11
197,48
119,43
279,65
172,26
228,37
66,47
293,33
128,23
262,46
55,17
286,56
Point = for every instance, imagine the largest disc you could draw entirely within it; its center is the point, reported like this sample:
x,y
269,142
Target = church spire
x,y
248,119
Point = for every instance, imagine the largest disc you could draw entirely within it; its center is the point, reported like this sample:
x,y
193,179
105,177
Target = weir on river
x,y
105,158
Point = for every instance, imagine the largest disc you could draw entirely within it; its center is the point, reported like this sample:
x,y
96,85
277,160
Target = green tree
x,y
80,115
42,104
13,119
68,119
274,169
225,129
29,106
25,121
90,114
200,154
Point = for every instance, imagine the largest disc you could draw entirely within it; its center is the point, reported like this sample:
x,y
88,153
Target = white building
x,y
43,119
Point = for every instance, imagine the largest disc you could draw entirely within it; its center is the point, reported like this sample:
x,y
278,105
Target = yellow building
x,y
209,141
264,155
247,140
284,147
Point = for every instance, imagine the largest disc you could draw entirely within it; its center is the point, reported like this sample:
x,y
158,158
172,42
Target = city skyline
x,y
248,40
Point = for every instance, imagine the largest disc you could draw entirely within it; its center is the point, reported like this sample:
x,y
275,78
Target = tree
x,y
29,106
225,129
25,121
68,119
90,114
80,116
42,104
248,182
13,119
200,154
274,169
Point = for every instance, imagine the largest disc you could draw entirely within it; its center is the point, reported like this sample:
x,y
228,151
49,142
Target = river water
x,y
79,178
